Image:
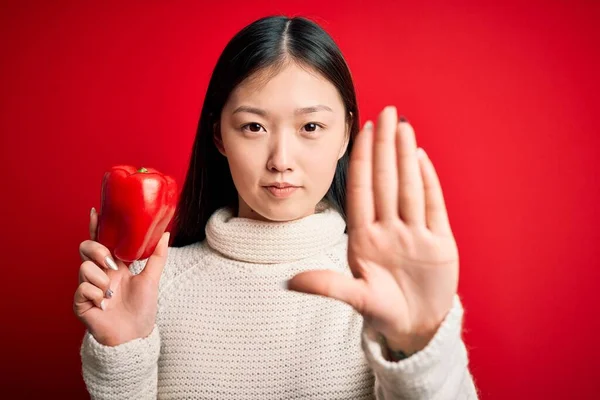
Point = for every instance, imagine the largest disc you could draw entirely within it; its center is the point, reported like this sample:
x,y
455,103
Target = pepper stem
x,y
142,170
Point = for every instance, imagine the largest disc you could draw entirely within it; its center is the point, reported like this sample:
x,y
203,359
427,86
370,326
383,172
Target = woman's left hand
x,y
401,249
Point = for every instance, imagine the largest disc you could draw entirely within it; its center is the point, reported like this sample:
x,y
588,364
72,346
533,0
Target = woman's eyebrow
x,y
312,109
264,113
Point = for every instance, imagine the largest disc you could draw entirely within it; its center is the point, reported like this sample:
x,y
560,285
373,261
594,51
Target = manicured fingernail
x,y
109,293
92,211
402,118
110,263
284,284
103,305
368,126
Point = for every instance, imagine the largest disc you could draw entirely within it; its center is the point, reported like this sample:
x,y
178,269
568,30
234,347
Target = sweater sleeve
x,y
125,371
438,372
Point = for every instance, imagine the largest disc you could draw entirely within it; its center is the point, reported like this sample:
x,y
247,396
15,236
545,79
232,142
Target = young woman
x,y
283,188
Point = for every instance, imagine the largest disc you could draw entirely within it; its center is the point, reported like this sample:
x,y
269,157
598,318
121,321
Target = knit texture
x,y
226,328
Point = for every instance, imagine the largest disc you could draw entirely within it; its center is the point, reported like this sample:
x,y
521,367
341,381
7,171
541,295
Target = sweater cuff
x,y
132,358
424,373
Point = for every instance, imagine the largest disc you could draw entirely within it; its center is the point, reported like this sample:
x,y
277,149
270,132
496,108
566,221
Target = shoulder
x,y
179,261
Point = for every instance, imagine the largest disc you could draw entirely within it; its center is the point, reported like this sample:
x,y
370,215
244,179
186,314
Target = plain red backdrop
x,y
502,97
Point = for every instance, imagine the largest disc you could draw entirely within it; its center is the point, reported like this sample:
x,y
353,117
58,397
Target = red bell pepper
x,y
136,207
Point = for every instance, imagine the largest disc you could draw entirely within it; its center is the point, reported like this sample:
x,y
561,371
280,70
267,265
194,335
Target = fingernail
x,y
402,118
110,263
421,152
103,305
109,293
92,211
368,126
284,284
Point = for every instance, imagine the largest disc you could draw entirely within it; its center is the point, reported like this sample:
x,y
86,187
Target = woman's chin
x,y
281,213
278,211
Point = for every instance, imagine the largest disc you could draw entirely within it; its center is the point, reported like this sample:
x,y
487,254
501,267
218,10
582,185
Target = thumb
x,y
332,284
156,262
93,226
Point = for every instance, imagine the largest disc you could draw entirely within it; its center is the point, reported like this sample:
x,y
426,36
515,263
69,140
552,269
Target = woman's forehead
x,y
288,87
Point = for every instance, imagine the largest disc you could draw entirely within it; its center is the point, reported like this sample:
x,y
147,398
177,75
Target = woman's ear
x,y
217,139
348,132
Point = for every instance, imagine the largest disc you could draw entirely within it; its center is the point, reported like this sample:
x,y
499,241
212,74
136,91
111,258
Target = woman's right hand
x,y
115,305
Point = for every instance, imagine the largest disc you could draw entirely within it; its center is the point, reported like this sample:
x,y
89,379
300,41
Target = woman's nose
x,y
280,157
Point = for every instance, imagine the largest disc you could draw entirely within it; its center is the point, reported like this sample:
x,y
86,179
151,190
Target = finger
x,y
90,272
87,293
359,194
93,223
96,252
385,169
411,201
156,262
331,284
436,213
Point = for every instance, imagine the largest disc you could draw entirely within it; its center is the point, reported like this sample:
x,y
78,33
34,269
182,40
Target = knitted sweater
x,y
226,328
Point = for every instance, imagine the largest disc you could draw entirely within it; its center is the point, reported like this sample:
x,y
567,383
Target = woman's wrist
x,y
392,354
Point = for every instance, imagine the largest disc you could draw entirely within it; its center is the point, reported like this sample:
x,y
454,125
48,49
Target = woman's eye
x,y
252,127
312,127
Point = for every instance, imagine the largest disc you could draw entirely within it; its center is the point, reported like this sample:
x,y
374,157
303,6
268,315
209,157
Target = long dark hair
x,y
265,43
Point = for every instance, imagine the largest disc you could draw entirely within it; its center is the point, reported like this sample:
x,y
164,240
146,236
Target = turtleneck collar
x,y
268,242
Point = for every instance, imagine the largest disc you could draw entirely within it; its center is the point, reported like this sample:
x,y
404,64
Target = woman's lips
x,y
281,192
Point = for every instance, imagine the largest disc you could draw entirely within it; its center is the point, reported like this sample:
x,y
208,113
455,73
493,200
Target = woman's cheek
x,y
322,166
250,165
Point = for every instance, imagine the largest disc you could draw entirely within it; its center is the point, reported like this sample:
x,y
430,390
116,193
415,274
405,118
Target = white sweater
x,y
227,329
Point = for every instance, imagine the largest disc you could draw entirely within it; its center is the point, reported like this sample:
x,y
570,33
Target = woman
x,y
370,309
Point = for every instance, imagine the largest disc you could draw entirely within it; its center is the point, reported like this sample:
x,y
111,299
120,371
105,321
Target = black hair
x,y
267,43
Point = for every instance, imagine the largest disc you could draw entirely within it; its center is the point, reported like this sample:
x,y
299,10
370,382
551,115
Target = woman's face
x,y
288,128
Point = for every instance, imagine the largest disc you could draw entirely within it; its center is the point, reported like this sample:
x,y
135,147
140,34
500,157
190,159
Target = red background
x,y
501,96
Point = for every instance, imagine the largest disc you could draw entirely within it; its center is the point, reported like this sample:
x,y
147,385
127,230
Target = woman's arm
x,y
126,371
439,371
